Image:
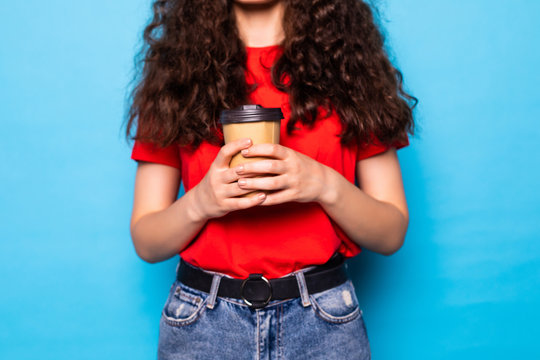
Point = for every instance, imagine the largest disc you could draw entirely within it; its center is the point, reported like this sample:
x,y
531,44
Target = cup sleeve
x,y
377,147
147,151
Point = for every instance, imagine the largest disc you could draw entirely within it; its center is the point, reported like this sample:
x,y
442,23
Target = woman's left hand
x,y
297,177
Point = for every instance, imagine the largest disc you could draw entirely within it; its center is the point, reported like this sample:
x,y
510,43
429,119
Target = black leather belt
x,y
257,291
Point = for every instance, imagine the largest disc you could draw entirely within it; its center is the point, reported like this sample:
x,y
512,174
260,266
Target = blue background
x,y
465,284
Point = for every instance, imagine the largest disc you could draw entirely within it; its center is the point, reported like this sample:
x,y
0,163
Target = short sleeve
x,y
147,151
377,147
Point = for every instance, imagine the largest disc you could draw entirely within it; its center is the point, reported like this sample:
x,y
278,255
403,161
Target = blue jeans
x,y
325,325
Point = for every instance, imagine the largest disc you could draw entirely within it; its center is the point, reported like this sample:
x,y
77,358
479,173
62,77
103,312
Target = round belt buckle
x,y
256,277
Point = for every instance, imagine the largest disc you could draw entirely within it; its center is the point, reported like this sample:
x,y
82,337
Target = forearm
x,y
372,224
160,235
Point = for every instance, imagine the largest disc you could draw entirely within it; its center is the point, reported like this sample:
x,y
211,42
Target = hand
x,y
297,177
214,196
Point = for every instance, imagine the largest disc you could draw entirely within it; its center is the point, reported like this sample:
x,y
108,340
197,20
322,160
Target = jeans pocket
x,y
337,305
183,306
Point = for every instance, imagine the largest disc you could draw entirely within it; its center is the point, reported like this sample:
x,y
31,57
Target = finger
x,y
271,150
233,190
230,175
228,150
264,182
261,167
279,197
245,202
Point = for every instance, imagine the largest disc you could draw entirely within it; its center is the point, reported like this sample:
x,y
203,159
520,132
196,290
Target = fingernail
x,y
248,141
242,182
261,195
240,168
245,152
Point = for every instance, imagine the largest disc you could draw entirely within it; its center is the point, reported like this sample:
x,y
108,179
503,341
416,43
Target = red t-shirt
x,y
278,239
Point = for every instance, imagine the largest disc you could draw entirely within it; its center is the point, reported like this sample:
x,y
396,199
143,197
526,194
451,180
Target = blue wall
x,y
464,285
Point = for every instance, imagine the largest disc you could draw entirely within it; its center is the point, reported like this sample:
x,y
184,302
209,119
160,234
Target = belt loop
x,y
213,291
303,288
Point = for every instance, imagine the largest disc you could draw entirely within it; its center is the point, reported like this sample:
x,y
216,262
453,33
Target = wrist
x,y
194,209
329,193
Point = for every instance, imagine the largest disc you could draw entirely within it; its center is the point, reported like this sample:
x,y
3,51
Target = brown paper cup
x,y
260,124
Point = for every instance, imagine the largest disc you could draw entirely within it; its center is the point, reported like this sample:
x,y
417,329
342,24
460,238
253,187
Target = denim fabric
x,y
326,325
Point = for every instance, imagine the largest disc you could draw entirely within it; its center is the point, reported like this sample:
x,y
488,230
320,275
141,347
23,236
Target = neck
x,y
259,24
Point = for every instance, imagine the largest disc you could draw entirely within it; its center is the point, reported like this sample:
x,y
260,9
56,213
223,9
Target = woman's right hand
x,y
215,195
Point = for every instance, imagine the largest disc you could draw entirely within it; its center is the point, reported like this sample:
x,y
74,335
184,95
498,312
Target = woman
x,y
263,276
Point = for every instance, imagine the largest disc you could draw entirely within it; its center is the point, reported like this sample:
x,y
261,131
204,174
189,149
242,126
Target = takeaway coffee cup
x,y
260,124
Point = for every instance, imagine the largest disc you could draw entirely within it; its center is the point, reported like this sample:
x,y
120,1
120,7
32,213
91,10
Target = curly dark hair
x,y
194,66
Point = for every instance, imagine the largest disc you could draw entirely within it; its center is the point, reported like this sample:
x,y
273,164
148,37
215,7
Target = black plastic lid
x,y
249,113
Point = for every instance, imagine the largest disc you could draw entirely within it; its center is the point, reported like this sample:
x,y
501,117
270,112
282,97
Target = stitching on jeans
x,y
279,312
337,320
257,338
319,311
187,321
194,299
233,301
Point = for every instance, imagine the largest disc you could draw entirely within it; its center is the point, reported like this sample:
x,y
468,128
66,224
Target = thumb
x,y
228,150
